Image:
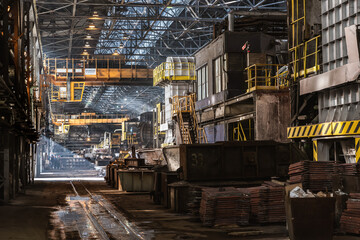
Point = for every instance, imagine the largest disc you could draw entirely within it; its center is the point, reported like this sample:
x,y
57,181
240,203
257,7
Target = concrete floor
x,y
52,210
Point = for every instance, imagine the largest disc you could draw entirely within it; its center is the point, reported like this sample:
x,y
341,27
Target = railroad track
x,y
108,223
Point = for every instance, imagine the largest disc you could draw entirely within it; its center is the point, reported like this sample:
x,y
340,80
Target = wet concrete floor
x,y
92,210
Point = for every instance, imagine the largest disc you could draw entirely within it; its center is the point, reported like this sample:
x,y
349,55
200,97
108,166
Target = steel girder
x,y
143,29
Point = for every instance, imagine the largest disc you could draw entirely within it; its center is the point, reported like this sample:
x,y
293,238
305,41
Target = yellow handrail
x,y
57,95
305,69
298,48
170,71
266,76
186,104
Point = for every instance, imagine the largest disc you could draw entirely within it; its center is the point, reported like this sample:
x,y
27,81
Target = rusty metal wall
x,y
272,115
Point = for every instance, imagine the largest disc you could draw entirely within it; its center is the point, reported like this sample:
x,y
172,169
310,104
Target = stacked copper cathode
x,y
263,204
314,176
224,206
267,203
350,218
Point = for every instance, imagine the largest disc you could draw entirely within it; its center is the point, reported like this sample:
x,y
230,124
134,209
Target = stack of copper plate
x,y
275,203
350,218
315,176
349,169
267,203
194,197
224,206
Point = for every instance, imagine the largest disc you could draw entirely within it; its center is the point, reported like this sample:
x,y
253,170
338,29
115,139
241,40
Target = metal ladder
x,y
184,111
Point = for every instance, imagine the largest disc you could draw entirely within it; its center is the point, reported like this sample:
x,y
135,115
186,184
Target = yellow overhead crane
x,y
63,122
88,119
68,77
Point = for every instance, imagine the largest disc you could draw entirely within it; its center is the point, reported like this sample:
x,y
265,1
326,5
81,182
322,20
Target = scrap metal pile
x,y
315,176
221,206
350,219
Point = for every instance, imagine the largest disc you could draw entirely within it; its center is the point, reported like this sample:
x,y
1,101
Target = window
x,y
202,82
219,76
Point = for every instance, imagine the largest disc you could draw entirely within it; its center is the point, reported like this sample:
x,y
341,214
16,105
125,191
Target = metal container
x,y
112,175
135,180
178,195
312,218
134,162
166,179
236,160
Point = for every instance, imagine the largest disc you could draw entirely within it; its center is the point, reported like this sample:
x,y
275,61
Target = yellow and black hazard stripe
x,y
357,149
315,150
346,128
325,129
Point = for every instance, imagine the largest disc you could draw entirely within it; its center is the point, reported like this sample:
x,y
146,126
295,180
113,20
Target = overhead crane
x,y
63,122
68,77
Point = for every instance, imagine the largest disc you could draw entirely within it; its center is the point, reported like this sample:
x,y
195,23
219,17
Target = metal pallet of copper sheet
x,y
267,203
224,206
315,176
350,219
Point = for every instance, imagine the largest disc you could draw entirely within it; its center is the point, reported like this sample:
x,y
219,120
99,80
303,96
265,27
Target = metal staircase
x,y
183,111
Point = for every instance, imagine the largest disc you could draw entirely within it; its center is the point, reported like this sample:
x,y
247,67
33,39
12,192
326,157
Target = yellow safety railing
x,y
62,129
59,93
182,103
266,76
186,104
239,132
306,59
131,139
178,71
297,22
304,53
76,91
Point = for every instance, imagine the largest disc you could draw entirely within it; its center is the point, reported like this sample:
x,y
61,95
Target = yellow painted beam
x,y
315,150
325,129
357,149
93,119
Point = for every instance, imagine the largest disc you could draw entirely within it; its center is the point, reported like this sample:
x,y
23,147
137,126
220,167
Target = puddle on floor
x,y
91,218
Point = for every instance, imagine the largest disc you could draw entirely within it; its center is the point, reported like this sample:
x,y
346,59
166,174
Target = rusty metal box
x,y
236,160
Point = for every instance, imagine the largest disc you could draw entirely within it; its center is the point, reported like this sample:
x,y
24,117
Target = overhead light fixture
x,y
88,37
87,45
92,25
115,53
121,45
95,16
85,52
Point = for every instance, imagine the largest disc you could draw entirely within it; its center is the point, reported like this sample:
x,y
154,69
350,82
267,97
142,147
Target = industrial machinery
x,y
67,78
177,76
325,71
242,89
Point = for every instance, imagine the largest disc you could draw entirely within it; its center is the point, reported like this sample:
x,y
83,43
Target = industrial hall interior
x,y
179,119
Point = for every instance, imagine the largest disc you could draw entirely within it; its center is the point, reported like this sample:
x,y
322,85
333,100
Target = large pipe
x,y
231,21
